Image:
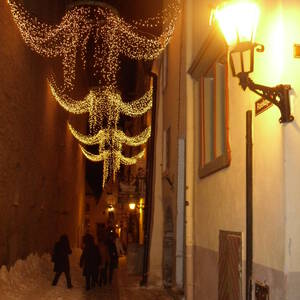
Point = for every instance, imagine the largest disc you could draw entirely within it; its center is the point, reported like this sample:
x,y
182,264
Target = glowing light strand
x,y
113,36
102,104
112,157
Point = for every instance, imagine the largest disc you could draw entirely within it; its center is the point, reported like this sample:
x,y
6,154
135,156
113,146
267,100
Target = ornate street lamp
x,y
238,21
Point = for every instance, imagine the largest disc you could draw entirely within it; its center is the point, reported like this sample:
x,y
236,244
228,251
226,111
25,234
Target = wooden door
x,y
230,266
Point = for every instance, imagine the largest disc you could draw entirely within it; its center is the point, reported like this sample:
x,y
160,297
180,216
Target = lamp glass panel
x,y
236,57
238,20
247,60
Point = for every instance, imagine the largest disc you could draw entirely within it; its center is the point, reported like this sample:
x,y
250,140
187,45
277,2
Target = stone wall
x,y
42,170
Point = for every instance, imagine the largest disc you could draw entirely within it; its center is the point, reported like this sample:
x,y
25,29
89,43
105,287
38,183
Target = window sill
x,y
219,163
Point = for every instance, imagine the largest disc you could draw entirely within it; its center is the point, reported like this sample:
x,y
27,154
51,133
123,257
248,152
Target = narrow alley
x,y
163,133
31,280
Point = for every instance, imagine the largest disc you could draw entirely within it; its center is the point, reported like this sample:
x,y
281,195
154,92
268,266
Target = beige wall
x,y
42,170
165,187
219,199
156,245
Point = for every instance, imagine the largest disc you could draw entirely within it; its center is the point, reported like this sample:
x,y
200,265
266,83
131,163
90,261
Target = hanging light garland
x,y
112,36
102,104
113,139
107,106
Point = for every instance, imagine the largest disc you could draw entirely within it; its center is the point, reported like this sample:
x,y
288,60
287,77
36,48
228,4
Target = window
x,y
210,70
214,147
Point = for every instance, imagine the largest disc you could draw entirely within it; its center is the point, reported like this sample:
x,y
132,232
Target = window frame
x,y
222,161
213,49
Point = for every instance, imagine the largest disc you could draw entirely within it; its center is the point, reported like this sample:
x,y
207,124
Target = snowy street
x,y
31,279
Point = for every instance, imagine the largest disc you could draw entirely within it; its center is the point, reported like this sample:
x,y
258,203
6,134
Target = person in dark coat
x,y
86,238
105,260
89,261
114,260
60,258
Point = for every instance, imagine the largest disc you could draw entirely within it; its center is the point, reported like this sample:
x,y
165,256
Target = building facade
x,y
42,169
201,104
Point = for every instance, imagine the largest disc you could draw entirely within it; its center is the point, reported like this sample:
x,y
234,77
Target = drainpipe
x,y
149,186
249,205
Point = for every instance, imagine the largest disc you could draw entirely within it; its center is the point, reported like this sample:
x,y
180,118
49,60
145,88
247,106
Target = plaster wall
x,y
188,96
169,111
156,247
219,199
291,36
171,119
280,166
42,170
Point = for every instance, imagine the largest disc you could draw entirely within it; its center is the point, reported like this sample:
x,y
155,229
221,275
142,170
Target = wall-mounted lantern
x,y
238,21
132,205
110,208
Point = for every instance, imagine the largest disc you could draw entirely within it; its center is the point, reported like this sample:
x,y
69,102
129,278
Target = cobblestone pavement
x,y
126,287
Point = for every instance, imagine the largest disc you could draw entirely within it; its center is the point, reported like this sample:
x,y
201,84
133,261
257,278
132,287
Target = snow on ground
x,y
31,279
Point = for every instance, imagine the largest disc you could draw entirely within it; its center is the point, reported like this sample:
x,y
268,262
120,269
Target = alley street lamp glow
x,y
132,206
238,21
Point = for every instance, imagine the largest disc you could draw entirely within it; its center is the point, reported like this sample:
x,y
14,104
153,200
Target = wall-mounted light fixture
x,y
132,205
110,208
238,21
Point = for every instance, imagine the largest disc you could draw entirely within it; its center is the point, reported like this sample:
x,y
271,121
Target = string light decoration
x,y
111,34
102,105
112,37
105,106
110,143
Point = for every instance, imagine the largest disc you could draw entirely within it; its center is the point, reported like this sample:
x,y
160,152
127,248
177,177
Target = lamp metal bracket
x,y
278,95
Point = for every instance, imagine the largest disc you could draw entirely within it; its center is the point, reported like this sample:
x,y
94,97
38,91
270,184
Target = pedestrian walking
x,y
105,261
113,254
85,238
60,258
89,261
119,246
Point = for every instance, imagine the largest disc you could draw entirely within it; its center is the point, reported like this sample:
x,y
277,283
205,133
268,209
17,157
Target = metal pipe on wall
x,y
249,205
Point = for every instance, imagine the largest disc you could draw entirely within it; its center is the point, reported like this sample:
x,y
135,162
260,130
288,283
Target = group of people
x,y
98,261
